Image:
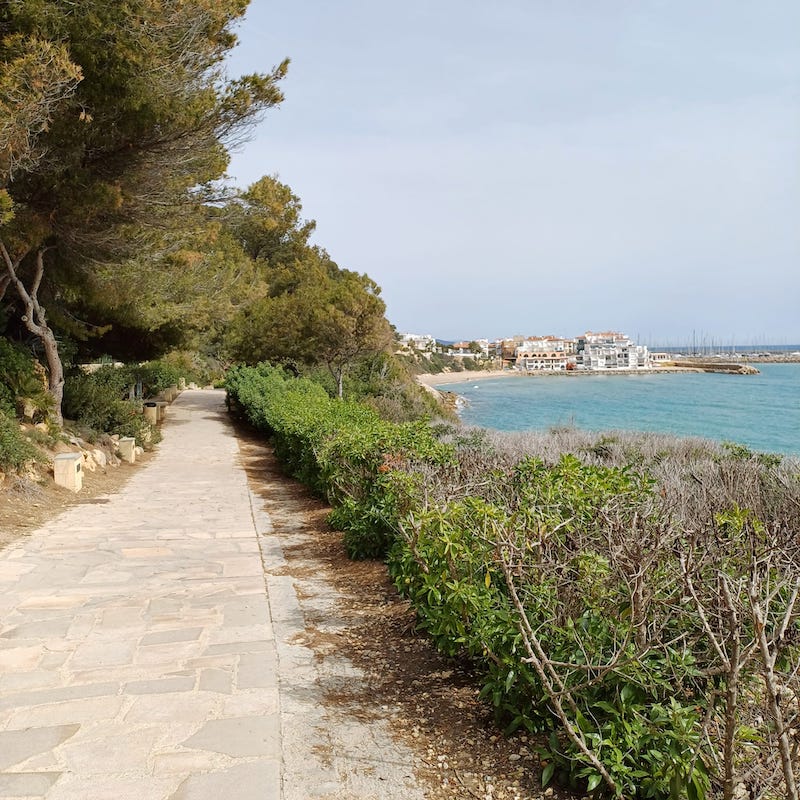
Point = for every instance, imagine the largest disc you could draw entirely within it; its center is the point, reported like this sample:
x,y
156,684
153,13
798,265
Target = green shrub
x,y
99,400
15,449
22,378
565,579
344,451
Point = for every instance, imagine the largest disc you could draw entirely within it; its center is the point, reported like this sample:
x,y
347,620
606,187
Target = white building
x,y
550,361
545,353
484,346
610,350
417,341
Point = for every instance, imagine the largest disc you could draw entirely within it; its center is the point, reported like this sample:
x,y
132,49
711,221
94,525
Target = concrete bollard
x,y
151,412
67,471
127,449
162,409
174,390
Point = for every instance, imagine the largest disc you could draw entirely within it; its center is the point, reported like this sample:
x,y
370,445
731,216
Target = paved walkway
x,y
138,654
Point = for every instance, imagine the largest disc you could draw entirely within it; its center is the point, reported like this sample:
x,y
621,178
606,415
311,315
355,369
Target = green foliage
x,y
308,311
448,567
100,400
36,75
115,119
343,450
15,449
21,378
157,375
740,452
562,580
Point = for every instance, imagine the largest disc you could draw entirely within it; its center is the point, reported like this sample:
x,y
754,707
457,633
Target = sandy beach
x,y
442,378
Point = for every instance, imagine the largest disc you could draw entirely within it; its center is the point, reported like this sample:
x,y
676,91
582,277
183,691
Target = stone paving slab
x,y
137,657
149,650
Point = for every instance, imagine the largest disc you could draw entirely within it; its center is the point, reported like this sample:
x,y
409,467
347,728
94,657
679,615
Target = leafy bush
x,y
15,449
22,378
343,450
542,541
633,599
100,401
168,371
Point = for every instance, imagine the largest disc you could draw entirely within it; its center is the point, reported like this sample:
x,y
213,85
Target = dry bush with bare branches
x,y
638,597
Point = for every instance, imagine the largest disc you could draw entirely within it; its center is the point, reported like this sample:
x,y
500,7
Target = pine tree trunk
x,y
55,371
35,319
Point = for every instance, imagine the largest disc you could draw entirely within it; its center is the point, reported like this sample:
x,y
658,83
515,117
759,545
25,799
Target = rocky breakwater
x,y
727,367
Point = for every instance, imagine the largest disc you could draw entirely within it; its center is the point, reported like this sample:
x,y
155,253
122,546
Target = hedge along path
x,y
144,652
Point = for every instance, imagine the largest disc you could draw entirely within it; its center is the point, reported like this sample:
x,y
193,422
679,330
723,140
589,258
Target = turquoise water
x,y
760,411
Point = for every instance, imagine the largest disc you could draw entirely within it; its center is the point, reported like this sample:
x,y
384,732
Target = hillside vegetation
x,y
121,239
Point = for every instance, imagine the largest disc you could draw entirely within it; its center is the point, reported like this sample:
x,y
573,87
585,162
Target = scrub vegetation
x,y
630,598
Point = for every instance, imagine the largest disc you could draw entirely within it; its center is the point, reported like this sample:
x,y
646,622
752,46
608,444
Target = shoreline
x,y
430,380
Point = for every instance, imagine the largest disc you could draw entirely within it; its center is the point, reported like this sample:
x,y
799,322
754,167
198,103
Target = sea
x,y
760,411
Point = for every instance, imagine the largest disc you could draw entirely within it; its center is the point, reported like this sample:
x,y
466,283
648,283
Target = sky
x,y
545,166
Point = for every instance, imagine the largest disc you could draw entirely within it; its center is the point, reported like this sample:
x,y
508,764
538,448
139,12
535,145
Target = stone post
x,y
68,471
127,449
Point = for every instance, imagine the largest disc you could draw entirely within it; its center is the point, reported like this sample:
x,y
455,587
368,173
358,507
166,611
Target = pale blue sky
x,y
545,166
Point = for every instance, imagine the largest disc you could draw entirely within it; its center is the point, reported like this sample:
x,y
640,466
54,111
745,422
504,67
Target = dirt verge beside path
x,y
430,701
26,504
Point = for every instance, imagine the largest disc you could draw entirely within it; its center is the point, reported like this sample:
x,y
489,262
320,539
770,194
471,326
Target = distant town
x,y
592,351
607,350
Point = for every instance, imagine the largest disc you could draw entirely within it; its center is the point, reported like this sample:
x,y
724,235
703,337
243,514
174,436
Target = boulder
x,y
100,458
28,409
